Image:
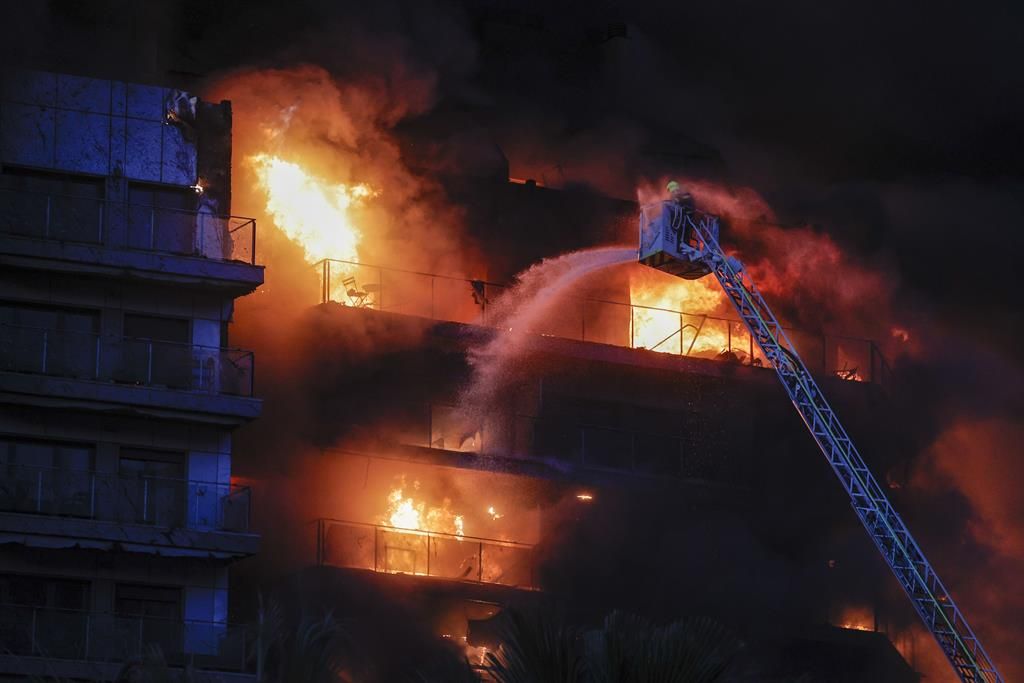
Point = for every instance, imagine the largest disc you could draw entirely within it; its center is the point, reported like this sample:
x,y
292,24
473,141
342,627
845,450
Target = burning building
x,y
632,451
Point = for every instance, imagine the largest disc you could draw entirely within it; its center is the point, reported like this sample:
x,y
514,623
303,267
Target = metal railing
x,y
126,360
468,301
588,446
114,497
392,550
86,636
119,225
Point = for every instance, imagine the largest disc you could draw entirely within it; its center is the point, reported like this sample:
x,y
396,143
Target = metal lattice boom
x,y
930,598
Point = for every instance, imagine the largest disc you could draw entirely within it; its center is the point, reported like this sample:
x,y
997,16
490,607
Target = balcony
x,y
99,508
391,550
95,367
53,635
152,241
112,497
679,333
583,447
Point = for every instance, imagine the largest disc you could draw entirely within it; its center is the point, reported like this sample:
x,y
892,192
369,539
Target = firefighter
x,y
680,196
682,223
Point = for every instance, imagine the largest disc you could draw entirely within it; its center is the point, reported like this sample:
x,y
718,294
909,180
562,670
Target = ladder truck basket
x,y
671,241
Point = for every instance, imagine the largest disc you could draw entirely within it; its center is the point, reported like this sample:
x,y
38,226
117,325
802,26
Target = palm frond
x,y
536,647
629,648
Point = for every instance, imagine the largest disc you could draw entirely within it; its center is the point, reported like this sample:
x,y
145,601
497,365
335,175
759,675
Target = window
x,y
151,487
157,351
161,218
161,602
51,205
48,340
157,328
43,591
153,611
161,196
55,607
52,478
22,180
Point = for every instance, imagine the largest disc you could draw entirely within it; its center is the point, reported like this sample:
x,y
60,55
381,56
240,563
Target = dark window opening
x,y
162,218
152,487
157,351
51,205
48,340
158,602
45,477
44,591
156,328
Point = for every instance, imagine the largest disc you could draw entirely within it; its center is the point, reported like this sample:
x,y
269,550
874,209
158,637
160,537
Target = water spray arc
x,y
685,243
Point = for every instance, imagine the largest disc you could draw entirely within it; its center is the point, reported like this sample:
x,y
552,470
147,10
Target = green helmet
x,y
672,186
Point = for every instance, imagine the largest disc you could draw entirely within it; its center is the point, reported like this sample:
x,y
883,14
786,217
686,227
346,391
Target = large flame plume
x,y
313,212
658,325
405,512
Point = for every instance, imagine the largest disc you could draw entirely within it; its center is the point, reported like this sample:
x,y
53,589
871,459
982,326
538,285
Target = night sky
x,y
896,130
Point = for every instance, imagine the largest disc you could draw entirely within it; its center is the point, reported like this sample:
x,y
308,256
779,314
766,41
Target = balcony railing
x,y
118,225
114,497
125,360
463,300
77,635
391,550
587,446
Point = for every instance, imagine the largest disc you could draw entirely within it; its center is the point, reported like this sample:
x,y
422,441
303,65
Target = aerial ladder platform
x,y
684,242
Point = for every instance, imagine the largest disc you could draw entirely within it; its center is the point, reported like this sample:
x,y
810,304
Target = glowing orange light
x,y
857,619
900,334
585,497
405,512
657,325
312,212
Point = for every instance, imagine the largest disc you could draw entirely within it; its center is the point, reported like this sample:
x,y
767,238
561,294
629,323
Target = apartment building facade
x,y
119,391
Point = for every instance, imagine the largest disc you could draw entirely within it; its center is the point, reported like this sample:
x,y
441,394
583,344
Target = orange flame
x,y
405,512
313,212
658,325
857,619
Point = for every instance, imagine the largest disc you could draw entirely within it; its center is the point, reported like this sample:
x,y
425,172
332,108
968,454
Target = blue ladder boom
x,y
930,598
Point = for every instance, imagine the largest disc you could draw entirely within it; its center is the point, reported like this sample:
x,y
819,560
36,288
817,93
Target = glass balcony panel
x,y
507,564
461,301
61,634
607,323
348,545
452,557
401,552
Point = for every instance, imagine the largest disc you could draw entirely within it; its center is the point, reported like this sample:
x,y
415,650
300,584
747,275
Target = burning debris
x,y
405,512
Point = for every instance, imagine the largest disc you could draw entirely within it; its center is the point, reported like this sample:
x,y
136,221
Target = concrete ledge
x,y
47,531
40,668
72,257
25,388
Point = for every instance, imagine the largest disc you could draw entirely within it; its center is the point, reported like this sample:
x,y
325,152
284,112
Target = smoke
x,y
341,132
975,463
812,282
519,311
